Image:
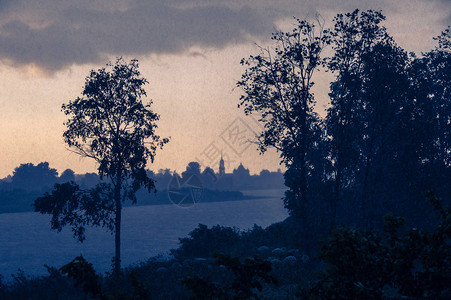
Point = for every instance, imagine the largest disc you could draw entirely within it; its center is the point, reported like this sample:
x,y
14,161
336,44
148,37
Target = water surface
x,y
27,242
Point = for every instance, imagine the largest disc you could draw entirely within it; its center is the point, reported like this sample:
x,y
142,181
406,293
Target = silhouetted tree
x,y
163,177
70,205
111,125
88,180
431,80
371,119
208,177
67,176
31,177
386,138
387,150
193,168
277,85
353,35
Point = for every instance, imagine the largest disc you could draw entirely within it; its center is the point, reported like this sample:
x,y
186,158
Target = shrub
x,y
414,264
204,242
248,279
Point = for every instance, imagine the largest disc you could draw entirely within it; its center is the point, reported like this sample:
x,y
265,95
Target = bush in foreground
x,y
409,264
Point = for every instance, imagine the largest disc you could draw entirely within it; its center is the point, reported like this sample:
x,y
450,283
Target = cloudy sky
x,y
189,50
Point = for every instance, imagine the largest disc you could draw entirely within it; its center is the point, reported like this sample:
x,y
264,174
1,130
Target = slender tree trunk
x,y
366,196
117,229
305,205
337,193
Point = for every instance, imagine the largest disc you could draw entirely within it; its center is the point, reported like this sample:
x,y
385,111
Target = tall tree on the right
x,y
277,85
369,118
353,35
388,155
431,85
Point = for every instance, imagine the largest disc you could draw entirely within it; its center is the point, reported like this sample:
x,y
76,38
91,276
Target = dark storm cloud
x,y
54,34
74,35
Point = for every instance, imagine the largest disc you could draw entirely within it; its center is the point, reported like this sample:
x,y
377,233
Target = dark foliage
x,y
54,286
385,140
84,276
277,87
111,125
70,205
204,242
34,178
409,264
248,279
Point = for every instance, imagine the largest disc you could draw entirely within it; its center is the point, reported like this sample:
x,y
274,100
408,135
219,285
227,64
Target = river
x,y
26,241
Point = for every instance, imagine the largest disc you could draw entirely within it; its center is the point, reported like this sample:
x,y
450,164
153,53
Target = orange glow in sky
x,y
191,77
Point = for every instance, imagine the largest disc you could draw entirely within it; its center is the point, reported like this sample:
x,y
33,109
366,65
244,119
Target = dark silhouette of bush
x,y
66,176
409,264
34,178
84,276
53,286
204,242
249,277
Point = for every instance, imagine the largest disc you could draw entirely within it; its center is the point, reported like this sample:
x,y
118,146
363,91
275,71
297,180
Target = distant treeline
x,y
29,181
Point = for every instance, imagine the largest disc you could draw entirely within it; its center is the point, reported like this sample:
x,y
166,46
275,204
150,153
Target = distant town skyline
x,y
188,50
219,169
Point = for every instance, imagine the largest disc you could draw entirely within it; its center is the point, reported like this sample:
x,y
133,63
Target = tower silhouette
x,y
221,167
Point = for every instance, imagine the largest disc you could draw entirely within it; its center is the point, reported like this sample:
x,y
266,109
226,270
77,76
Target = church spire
x,y
221,167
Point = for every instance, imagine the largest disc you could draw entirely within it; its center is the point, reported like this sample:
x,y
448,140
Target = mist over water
x,y
28,243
